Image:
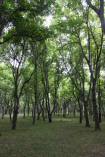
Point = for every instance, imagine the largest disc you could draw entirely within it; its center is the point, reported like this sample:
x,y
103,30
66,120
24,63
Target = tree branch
x,y
25,82
93,7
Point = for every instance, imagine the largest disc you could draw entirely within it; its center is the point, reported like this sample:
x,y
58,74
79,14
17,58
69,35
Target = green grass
x,y
59,139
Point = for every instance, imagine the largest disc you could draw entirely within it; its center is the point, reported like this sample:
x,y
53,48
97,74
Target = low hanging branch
x,y
99,12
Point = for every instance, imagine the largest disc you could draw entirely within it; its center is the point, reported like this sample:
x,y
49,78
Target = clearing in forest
x,y
59,139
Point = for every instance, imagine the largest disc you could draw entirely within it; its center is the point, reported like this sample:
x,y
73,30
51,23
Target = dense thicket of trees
x,y
55,70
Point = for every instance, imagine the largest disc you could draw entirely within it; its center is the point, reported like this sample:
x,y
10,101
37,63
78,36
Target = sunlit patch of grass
x,y
59,139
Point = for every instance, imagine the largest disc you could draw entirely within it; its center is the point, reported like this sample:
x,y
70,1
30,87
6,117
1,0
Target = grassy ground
x,y
59,139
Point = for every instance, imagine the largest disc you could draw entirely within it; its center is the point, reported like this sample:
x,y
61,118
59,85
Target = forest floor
x,y
60,139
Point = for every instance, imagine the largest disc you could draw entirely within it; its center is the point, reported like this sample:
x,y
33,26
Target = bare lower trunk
x,y
99,101
50,117
86,115
24,112
28,110
74,112
2,113
34,115
95,112
80,111
38,116
10,114
15,110
100,119
43,115
14,120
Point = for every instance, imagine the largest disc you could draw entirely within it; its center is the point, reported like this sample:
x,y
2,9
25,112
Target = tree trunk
x,y
99,101
80,111
100,119
86,115
15,113
64,110
42,108
10,113
43,115
28,110
95,112
38,115
74,111
85,102
35,85
50,117
2,112
24,111
16,106
34,115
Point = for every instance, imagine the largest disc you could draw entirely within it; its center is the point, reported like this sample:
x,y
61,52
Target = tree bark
x,y
80,111
35,85
99,101
15,113
50,117
28,109
16,106
86,115
42,108
24,111
95,112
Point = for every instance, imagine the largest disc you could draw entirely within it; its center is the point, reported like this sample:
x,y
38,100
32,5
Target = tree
x,y
16,59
